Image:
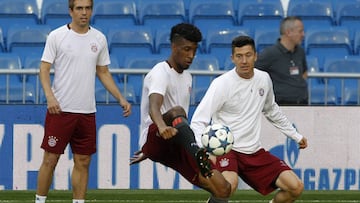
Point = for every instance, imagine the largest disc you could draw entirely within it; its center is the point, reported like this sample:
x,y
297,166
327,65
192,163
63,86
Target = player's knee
x,y
223,190
50,160
82,161
296,192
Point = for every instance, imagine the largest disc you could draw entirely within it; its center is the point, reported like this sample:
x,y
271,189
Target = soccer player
x,y
78,53
237,99
166,136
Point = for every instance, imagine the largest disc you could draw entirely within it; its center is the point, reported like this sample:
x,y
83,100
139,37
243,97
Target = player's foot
x,y
203,161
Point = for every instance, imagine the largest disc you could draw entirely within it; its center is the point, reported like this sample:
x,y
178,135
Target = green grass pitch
x,y
173,196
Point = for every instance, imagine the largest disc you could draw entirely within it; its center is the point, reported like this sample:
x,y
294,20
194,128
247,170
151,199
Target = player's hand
x,y
126,107
303,143
138,157
53,106
167,132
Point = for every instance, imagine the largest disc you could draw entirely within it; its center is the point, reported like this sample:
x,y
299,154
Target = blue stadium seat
x,y
332,41
23,12
9,61
16,94
55,13
260,13
351,96
348,13
218,41
349,64
162,41
313,67
207,63
196,95
319,92
25,40
114,13
186,6
312,13
140,62
33,61
130,41
228,64
11,87
115,64
317,87
265,36
143,62
2,43
209,13
356,42
161,14
102,96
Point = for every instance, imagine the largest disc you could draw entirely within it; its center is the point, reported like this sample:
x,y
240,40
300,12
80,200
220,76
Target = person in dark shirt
x,y
285,61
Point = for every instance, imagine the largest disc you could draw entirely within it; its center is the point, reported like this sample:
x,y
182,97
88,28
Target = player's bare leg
x,y
217,185
232,178
219,188
290,186
80,175
46,172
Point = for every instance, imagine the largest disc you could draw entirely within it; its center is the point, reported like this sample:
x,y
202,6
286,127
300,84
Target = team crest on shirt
x,y
52,141
224,162
94,47
261,91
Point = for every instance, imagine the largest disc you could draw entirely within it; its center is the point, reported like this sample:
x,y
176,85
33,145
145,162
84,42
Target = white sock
x,y
78,201
40,199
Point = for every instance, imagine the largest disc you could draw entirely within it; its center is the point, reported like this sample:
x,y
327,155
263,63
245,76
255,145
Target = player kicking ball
x,y
166,136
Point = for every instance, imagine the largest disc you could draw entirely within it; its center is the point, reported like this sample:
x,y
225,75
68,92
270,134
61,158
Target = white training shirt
x,y
74,57
175,88
239,104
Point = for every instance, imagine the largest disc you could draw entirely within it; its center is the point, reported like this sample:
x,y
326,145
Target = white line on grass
x,y
188,201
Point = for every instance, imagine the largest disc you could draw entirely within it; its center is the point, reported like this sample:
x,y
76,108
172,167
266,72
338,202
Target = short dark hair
x,y
241,41
186,31
72,4
287,23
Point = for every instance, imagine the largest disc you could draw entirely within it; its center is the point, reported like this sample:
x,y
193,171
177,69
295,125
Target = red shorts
x,y
77,129
170,154
259,170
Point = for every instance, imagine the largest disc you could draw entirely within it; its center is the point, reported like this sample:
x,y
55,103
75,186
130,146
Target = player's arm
x,y
106,79
155,103
53,105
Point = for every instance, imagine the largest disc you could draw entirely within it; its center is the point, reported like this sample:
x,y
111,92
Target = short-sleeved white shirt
x,y
74,57
174,86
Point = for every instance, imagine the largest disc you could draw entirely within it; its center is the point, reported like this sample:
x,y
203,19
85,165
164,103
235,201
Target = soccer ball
x,y
217,139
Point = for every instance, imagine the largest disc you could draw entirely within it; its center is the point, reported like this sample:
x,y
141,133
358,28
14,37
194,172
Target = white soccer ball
x,y
217,139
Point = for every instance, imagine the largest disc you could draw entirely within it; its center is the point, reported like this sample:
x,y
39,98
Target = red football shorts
x,y
76,129
259,170
170,154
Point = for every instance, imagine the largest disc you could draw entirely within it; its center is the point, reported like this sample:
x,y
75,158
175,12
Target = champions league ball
x,y
217,139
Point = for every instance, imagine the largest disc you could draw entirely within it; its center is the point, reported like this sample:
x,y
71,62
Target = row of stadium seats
x,y
142,41
108,13
339,91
